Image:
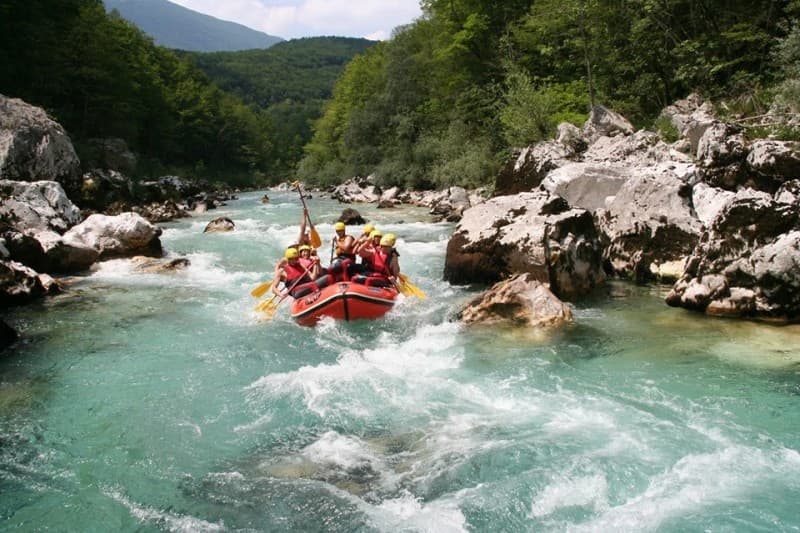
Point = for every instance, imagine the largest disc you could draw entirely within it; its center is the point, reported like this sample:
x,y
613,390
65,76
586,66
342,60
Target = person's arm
x,y
301,239
394,265
279,277
366,252
347,246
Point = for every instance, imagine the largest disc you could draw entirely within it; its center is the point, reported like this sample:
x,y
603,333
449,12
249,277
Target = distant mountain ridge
x,y
177,27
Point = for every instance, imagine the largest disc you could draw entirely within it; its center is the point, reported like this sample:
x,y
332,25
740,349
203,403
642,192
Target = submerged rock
x,y
520,300
8,335
151,265
220,225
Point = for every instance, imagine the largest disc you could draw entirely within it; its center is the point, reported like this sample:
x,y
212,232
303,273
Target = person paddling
x,y
383,261
297,280
343,258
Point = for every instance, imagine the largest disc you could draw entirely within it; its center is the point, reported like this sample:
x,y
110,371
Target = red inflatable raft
x,y
343,301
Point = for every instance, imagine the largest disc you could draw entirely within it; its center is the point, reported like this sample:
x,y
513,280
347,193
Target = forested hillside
x,y
446,99
102,77
176,27
289,81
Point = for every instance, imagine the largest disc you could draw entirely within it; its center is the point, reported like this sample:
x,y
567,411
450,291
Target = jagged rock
x,y
166,188
39,205
570,137
530,165
586,185
747,264
603,122
20,284
33,147
103,188
533,232
112,154
649,222
150,265
8,335
775,159
220,225
356,190
160,211
351,217
691,117
451,205
520,300
119,236
789,192
4,253
722,153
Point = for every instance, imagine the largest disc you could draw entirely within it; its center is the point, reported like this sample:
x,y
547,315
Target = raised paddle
x,y
316,241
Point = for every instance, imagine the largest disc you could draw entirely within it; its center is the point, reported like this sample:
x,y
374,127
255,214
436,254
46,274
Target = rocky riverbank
x,y
713,213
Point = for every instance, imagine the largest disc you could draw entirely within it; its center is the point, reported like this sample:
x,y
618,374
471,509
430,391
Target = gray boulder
x,y
356,190
33,147
123,235
587,185
39,205
691,117
536,233
747,264
20,284
775,159
220,225
521,301
112,154
603,122
650,222
722,153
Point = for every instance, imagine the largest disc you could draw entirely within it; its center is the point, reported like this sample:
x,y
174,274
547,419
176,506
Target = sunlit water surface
x,y
163,402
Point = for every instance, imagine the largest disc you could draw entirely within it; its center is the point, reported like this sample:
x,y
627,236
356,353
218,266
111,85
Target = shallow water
x,y
147,402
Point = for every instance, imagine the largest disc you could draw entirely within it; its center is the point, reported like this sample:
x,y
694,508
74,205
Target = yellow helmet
x,y
291,253
388,240
368,229
339,226
375,233
304,247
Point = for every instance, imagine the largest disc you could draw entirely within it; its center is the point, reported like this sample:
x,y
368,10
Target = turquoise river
x,y
163,402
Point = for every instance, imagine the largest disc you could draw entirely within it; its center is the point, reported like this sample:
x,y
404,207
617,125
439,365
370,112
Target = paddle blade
x,y
261,290
266,304
316,241
411,288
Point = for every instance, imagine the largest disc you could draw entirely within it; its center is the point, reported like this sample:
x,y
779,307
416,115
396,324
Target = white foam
x,y
407,513
163,520
589,491
342,452
698,481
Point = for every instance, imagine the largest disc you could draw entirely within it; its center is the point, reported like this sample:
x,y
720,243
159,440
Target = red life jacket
x,y
293,273
382,261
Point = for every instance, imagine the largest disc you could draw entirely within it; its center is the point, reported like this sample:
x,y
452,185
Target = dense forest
x,y
450,95
244,123
443,102
290,82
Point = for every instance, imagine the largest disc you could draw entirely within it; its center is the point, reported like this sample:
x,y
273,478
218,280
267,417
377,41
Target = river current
x,y
164,402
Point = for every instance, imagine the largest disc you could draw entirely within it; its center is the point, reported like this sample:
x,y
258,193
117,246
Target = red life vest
x,y
293,273
382,261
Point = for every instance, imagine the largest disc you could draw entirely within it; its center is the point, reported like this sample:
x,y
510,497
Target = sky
x,y
291,19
